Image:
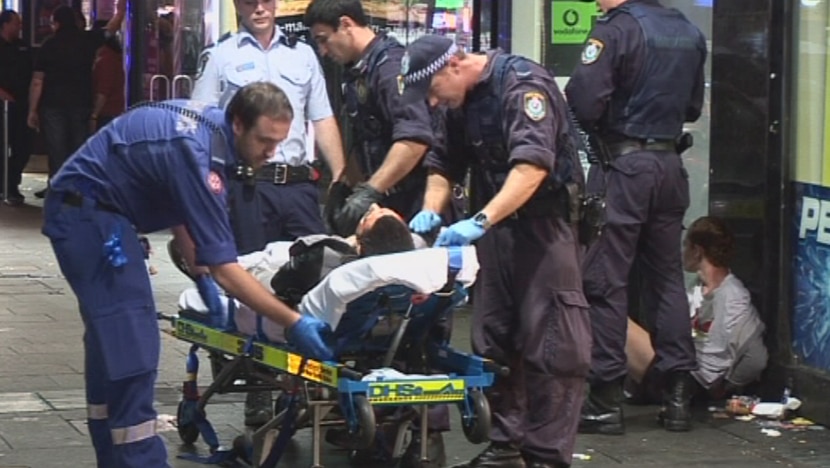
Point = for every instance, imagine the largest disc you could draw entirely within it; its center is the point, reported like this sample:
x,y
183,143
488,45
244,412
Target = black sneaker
x,y
496,455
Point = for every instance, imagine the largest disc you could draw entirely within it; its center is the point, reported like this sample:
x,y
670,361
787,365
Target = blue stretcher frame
x,y
467,376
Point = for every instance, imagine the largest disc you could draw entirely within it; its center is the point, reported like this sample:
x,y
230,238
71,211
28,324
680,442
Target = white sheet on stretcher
x,y
423,270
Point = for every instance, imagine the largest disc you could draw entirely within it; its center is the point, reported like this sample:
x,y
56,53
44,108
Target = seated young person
x,y
727,328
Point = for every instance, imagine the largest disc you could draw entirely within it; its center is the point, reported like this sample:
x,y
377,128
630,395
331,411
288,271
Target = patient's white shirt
x,y
423,270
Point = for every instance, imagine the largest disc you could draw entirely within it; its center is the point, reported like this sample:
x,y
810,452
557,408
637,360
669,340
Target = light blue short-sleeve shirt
x,y
239,59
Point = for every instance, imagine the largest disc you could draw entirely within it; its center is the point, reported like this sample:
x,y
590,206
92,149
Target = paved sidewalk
x,y
42,415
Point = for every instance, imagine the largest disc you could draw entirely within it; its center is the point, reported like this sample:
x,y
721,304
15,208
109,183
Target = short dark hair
x,y
6,16
715,238
254,100
388,234
328,12
66,18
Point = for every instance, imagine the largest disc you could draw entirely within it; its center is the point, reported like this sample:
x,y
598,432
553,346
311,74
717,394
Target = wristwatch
x,y
481,219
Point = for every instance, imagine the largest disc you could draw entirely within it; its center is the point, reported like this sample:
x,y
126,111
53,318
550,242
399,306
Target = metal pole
x,y
6,151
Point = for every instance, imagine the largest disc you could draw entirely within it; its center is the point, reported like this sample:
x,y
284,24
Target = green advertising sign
x,y
572,21
449,4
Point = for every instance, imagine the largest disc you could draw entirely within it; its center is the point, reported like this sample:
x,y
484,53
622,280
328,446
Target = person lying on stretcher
x,y
298,272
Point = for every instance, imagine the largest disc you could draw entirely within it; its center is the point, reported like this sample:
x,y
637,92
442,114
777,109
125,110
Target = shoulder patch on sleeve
x,y
204,58
214,182
535,105
592,51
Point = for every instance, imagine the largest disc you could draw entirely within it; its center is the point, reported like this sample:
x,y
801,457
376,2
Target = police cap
x,y
425,57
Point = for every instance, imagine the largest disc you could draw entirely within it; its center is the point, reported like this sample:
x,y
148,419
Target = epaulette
x,y
611,14
224,37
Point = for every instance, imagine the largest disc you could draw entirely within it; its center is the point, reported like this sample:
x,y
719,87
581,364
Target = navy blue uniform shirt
x,y
611,62
410,121
162,167
529,133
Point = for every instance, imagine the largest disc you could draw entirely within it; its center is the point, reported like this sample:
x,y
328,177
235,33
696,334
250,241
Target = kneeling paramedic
x,y
161,165
508,123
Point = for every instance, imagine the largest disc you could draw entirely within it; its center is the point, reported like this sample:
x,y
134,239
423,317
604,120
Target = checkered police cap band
x,y
431,68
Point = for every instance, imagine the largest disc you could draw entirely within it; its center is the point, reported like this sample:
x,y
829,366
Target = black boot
x,y
602,411
676,415
436,453
496,455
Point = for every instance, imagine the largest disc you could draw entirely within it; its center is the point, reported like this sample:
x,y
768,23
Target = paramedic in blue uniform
x,y
284,203
508,123
640,78
389,137
159,166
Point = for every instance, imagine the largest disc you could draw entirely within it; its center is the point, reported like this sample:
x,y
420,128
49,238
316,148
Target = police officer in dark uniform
x,y
163,165
640,79
389,137
15,75
508,123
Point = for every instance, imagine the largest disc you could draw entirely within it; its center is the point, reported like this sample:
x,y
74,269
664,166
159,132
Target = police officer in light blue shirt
x,y
286,203
279,202
162,165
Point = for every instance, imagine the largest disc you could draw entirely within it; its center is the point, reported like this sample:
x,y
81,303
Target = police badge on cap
x,y
405,63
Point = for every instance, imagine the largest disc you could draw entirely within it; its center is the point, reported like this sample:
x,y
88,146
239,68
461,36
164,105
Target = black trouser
x,y
647,193
266,212
19,143
65,130
530,313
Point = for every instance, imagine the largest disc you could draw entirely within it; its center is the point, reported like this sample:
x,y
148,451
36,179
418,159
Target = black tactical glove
x,y
345,222
339,192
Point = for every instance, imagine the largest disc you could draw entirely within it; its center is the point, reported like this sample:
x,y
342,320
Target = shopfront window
x,y
810,158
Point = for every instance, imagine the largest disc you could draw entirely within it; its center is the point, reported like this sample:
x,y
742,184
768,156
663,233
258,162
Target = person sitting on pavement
x,y
728,331
161,165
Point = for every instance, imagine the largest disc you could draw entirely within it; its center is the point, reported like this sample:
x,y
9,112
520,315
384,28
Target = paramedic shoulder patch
x,y
215,183
592,51
535,105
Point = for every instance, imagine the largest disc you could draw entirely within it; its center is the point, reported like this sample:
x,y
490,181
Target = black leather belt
x,y
77,200
631,146
282,174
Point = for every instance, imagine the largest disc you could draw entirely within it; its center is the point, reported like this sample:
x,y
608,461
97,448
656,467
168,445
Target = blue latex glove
x,y
424,222
307,336
461,233
209,292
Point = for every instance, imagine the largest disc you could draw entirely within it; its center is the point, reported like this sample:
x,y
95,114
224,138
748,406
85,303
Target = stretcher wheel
x,y
366,426
477,424
188,431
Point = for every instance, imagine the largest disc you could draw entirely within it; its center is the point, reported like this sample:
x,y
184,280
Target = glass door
x,y
163,41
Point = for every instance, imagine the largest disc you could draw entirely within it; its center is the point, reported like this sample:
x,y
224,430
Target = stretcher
x,y
382,310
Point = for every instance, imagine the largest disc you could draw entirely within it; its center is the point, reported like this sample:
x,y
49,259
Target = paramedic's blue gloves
x,y
461,233
307,336
425,222
209,292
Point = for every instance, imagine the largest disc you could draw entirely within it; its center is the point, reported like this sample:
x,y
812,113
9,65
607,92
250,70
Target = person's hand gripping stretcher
x,y
302,331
